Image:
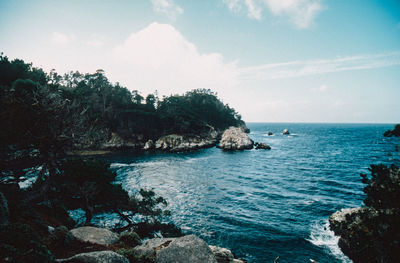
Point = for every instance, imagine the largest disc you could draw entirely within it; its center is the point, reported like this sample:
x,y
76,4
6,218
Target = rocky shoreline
x,y
92,244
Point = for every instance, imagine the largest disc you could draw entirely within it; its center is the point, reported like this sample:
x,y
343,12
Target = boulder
x,y
96,257
224,255
148,145
286,132
235,139
178,250
270,134
4,213
262,145
94,235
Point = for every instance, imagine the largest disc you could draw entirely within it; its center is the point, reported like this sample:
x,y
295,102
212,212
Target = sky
x,y
272,60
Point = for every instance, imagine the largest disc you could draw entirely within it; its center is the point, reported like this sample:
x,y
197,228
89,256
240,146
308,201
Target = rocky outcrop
x,y
224,255
176,143
235,139
395,132
285,132
116,142
179,250
148,145
96,257
94,235
4,213
368,235
262,145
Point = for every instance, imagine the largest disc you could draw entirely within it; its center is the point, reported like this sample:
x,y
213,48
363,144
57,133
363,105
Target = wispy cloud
x,y
167,7
300,12
61,38
321,66
321,89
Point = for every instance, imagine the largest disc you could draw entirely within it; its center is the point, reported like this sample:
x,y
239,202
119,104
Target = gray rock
x,y
117,141
178,250
95,257
176,142
286,132
235,139
4,213
224,255
270,133
94,235
148,145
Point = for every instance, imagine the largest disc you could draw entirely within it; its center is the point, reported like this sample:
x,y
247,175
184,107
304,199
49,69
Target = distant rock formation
x,y
235,138
95,257
286,132
395,132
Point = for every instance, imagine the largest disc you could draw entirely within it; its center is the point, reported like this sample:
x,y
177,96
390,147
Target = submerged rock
x,y
178,250
94,235
286,132
235,139
96,257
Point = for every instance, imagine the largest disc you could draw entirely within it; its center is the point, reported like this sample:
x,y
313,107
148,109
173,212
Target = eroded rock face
x,y
368,235
176,143
235,139
148,145
94,235
96,257
179,250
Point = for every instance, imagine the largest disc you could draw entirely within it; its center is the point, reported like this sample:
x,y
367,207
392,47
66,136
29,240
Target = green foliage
x,y
21,243
383,187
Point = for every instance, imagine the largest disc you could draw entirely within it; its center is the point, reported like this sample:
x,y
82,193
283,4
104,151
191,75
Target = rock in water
x,y
178,250
96,257
395,132
270,133
286,132
94,235
235,139
262,145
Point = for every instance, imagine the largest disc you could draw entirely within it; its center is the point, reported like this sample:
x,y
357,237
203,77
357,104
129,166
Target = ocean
x,y
262,204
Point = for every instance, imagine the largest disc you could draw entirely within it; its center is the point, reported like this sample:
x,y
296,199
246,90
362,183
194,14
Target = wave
x,y
322,236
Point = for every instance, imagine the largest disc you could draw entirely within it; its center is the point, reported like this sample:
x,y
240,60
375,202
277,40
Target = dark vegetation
x,y
372,234
43,116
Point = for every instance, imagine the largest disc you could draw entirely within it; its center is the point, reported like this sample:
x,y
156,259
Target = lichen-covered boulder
x,y
178,250
94,235
235,138
96,257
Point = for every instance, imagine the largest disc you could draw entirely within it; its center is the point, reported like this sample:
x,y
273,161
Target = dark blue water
x,y
263,204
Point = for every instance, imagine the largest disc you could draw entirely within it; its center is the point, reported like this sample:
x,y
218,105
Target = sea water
x,y
262,204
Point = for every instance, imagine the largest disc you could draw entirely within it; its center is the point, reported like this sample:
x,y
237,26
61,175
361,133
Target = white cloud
x,y
253,10
160,58
300,12
167,7
322,66
95,41
60,38
322,88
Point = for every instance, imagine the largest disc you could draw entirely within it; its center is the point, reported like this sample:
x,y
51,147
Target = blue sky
x,y
272,60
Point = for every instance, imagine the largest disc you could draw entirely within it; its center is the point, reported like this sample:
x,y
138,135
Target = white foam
x,y
322,236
